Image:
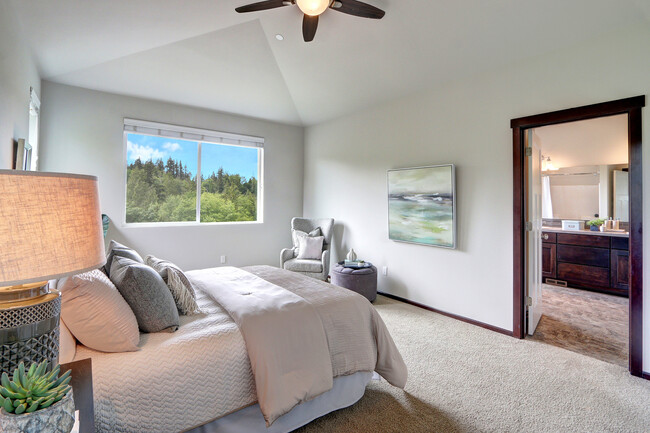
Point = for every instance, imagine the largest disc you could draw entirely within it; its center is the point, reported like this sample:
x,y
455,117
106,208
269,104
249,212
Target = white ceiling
x,y
202,53
601,141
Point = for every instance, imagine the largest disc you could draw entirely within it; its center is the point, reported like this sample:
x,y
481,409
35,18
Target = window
x,y
186,175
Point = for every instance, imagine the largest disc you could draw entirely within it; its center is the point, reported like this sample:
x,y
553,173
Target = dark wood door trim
x,y
632,107
636,241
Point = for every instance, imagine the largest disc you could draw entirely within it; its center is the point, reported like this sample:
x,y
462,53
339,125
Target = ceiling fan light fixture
x,y
313,8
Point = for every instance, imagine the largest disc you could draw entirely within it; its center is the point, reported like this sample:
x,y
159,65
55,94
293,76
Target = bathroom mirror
x,y
585,193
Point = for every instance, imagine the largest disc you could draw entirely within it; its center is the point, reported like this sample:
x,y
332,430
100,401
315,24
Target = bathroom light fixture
x,y
313,8
547,165
279,37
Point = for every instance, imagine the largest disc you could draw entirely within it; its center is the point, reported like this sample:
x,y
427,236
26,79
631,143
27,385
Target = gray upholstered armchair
x,y
313,268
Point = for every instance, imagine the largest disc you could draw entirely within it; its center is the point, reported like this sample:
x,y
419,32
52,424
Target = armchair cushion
x,y
300,265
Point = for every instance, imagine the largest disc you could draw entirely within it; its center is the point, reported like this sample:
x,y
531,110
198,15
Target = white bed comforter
x,y
202,371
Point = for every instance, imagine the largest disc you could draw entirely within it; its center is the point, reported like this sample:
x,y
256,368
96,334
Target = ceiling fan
x,y
314,8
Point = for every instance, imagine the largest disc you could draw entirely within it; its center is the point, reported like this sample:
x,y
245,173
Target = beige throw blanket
x,y
300,333
284,337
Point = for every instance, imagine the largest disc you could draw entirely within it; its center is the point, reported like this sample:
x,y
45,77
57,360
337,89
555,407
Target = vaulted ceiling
x,y
202,53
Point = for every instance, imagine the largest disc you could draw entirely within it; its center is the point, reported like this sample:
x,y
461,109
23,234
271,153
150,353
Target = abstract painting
x,y
422,205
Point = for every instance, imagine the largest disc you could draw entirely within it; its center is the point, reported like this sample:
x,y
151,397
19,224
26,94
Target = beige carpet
x,y
593,324
463,378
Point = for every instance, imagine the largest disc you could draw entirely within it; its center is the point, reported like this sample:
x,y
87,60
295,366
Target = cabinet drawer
x,y
583,240
551,238
620,243
583,255
589,276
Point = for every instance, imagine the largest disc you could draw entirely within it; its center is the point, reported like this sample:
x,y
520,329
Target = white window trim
x,y
156,129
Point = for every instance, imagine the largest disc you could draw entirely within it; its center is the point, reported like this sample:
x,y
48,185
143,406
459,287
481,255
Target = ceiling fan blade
x,y
260,6
357,8
309,26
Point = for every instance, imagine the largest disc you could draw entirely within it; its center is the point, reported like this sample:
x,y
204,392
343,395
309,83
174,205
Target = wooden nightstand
x,y
82,385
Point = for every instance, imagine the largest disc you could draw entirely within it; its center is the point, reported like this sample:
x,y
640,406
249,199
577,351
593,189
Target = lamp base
x,y
29,325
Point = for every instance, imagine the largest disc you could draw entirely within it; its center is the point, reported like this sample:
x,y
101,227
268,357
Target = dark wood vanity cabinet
x,y
592,262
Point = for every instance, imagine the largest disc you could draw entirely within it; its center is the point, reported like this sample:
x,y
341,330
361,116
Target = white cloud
x,y
172,147
145,153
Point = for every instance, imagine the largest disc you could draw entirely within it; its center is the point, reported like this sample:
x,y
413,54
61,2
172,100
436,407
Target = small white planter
x,y
58,418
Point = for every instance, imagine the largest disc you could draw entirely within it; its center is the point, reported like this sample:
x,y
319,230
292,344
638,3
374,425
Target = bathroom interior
x,y
585,239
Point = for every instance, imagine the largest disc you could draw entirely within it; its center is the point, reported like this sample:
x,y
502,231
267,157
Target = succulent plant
x,y
32,390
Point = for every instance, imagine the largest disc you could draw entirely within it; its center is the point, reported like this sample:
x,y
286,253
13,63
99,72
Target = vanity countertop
x,y
586,232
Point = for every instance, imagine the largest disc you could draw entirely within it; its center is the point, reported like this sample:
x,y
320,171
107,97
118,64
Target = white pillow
x,y
97,314
297,234
67,344
310,247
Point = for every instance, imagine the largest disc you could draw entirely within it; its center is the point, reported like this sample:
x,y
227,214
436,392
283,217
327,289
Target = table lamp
x,y
50,227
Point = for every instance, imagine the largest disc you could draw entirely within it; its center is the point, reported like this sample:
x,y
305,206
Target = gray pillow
x,y
180,287
146,293
117,249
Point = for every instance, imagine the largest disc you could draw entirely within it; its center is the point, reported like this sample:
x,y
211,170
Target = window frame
x,y
214,137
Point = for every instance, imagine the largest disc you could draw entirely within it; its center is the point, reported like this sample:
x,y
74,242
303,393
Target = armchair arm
x,y
285,255
326,263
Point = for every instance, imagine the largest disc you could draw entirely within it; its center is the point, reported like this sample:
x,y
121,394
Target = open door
x,y
534,232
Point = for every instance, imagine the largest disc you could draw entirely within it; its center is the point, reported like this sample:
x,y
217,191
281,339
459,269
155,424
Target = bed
x,y
202,378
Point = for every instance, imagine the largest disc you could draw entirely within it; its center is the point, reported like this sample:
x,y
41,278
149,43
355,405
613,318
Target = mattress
x,y
177,380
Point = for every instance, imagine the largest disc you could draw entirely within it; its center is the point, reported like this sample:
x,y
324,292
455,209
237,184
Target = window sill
x,y
187,224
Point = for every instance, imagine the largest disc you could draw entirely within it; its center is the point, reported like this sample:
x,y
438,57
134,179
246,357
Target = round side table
x,y
363,281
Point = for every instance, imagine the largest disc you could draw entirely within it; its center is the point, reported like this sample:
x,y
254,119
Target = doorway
x,y
582,288
525,231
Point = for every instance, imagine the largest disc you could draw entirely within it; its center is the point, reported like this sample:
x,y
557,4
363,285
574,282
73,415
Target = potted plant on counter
x,y
36,400
594,225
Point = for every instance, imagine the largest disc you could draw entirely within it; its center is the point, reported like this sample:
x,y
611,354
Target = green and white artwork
x,y
421,205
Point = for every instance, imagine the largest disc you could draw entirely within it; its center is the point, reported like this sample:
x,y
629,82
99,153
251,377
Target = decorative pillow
x,y
310,247
67,344
180,287
146,293
96,313
117,249
297,234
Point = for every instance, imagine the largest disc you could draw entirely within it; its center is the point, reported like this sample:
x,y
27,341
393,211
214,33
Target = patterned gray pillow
x,y
180,287
146,293
117,249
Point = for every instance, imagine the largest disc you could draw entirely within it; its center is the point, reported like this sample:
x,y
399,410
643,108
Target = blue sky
x,y
233,159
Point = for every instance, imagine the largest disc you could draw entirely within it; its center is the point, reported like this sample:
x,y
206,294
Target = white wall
x,y
18,73
81,132
466,123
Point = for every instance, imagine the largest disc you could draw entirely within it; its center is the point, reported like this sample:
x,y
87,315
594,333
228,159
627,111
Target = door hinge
x,y
529,151
529,301
529,226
